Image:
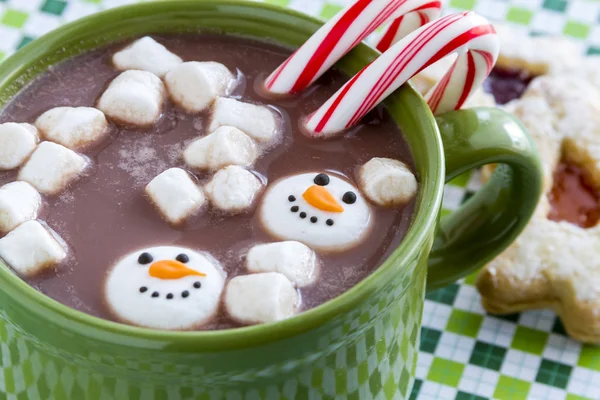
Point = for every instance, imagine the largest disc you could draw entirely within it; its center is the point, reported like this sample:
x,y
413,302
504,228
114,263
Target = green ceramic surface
x,y
362,344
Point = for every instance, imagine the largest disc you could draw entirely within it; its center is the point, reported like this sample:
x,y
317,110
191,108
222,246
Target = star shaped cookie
x,y
554,263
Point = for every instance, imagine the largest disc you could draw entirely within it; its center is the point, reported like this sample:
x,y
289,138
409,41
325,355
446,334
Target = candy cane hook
x,y
338,36
405,24
468,34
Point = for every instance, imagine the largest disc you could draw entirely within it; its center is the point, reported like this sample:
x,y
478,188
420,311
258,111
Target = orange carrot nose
x,y
171,269
319,197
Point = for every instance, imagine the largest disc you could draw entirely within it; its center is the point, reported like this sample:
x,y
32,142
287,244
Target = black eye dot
x,y
302,214
155,294
170,296
183,258
329,222
321,180
143,289
145,258
349,198
185,294
292,197
197,285
294,209
313,219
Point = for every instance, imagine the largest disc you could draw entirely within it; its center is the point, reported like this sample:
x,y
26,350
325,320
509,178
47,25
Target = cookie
x,y
535,55
553,263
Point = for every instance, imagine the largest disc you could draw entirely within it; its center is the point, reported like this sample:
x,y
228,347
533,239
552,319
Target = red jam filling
x,y
573,198
507,84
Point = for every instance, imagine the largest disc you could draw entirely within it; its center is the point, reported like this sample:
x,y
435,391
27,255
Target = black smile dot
x,y
197,285
185,294
294,209
170,296
155,294
321,180
183,258
302,214
329,222
292,197
314,220
145,258
143,289
349,198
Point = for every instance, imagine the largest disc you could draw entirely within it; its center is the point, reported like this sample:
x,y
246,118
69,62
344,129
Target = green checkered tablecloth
x,y
465,353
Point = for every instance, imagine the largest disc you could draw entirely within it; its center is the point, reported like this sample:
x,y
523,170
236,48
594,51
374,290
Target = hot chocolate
x,y
148,190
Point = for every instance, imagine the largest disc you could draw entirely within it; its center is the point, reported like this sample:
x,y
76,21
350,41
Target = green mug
x,y
362,344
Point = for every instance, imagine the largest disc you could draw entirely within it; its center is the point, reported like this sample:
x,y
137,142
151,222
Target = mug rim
x,y
423,221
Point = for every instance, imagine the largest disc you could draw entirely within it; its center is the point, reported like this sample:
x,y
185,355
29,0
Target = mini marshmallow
x,y
387,182
72,127
165,287
175,195
225,146
195,85
260,298
52,167
257,121
293,259
17,142
30,248
19,202
134,97
233,189
146,54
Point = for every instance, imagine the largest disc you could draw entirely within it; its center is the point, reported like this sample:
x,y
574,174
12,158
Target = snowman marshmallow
x,y
321,210
165,287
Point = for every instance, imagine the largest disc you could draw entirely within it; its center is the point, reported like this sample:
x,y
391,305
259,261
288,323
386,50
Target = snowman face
x,y
321,210
165,288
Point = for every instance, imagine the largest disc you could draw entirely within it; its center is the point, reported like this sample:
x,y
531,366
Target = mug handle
x,y
489,221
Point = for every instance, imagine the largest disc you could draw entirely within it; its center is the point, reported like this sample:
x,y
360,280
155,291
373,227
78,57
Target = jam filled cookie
x,y
554,262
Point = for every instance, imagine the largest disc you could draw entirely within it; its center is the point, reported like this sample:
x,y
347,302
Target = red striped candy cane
x,y
337,37
407,23
468,34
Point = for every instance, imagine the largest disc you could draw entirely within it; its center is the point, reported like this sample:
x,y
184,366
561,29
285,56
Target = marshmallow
x,y
165,287
195,85
293,259
260,298
17,142
30,248
19,202
72,127
233,189
387,182
52,167
175,195
134,97
257,121
225,146
321,210
146,54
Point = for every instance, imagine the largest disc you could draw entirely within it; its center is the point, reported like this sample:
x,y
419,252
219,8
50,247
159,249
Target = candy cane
x,y
402,26
338,36
468,34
